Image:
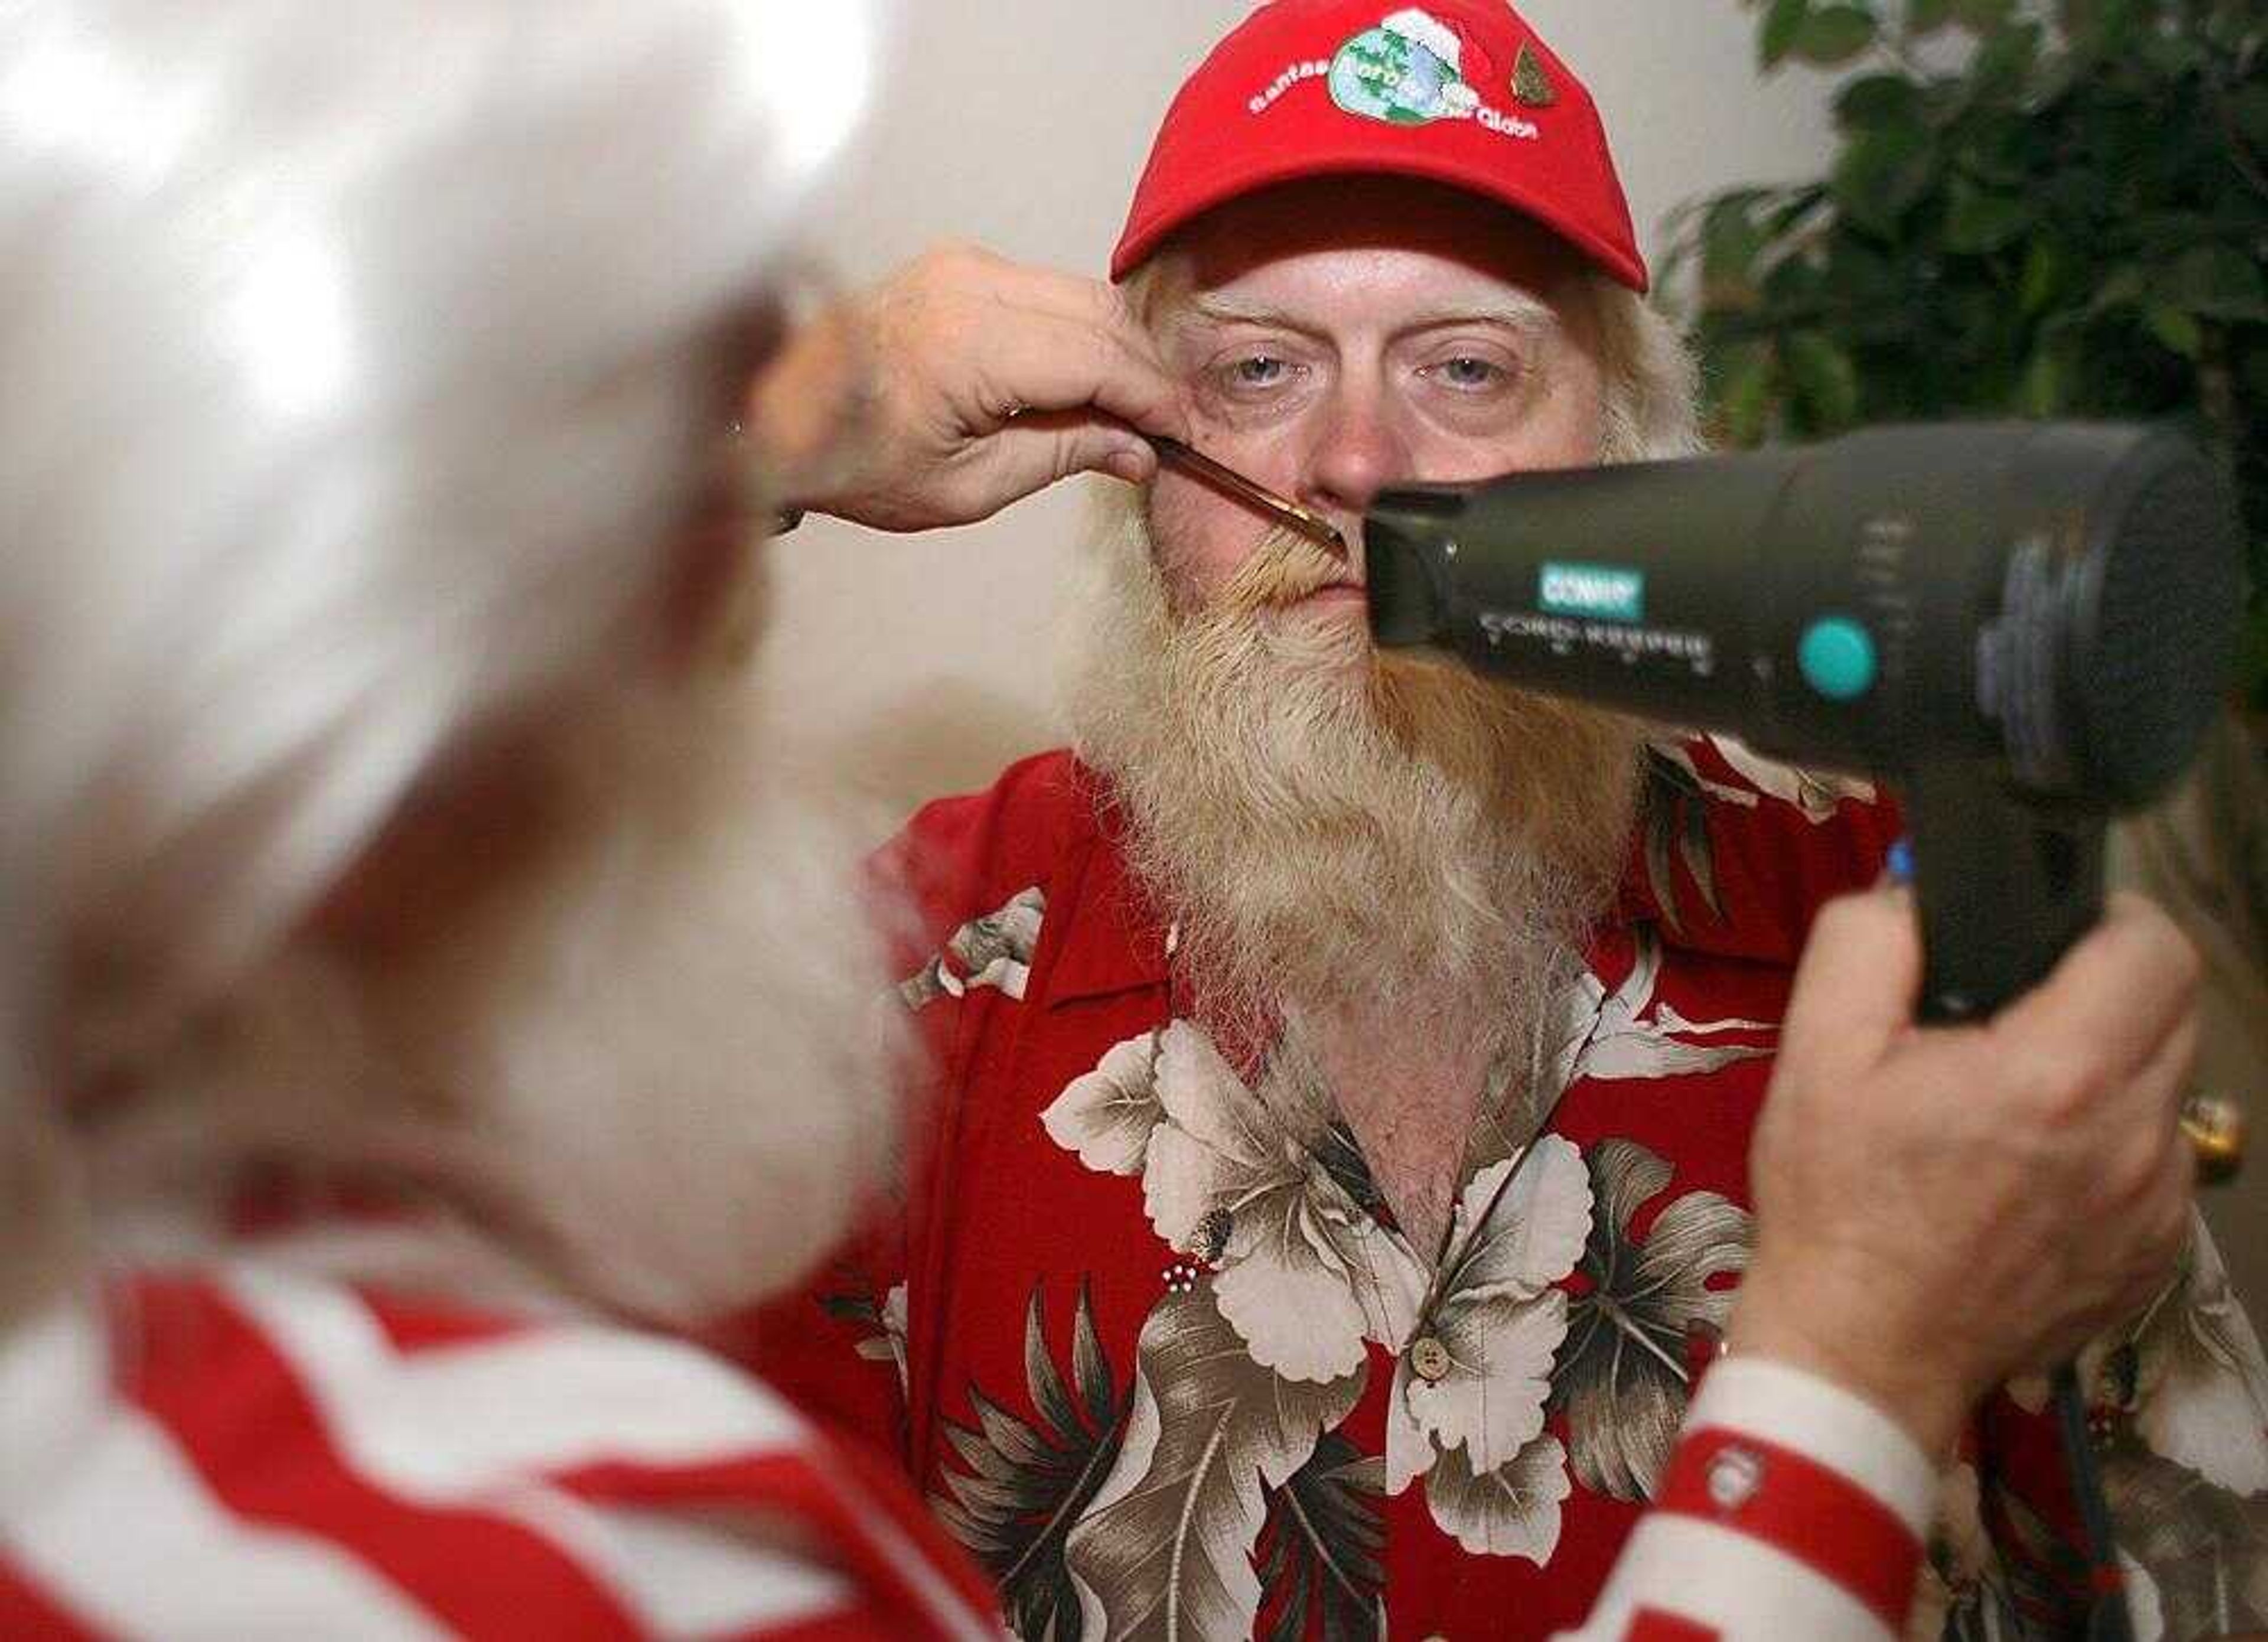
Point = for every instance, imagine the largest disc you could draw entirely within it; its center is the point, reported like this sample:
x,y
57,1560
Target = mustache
x,y
1285,568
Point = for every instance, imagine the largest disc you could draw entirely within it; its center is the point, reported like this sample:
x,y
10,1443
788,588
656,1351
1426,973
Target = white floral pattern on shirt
x,y
1300,1277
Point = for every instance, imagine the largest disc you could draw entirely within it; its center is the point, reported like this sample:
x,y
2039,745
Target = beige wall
x,y
921,665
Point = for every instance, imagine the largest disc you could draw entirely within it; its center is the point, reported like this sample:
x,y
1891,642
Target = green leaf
x,y
1834,34
2005,58
1882,173
1782,23
2249,107
1926,17
2104,25
1825,378
1980,16
2177,330
1731,241
2219,282
1977,220
2046,389
2172,54
1878,100
1745,393
2121,288
2004,148
2047,267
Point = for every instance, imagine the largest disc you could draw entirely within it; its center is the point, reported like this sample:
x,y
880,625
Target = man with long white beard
x,y
1340,1164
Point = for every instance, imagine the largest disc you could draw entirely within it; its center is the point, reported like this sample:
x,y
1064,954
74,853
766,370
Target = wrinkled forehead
x,y
1357,243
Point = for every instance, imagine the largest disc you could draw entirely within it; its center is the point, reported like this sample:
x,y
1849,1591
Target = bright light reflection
x,y
289,330
60,92
813,64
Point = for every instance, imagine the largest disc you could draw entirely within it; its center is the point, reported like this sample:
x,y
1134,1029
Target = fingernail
x,y
1898,865
1133,466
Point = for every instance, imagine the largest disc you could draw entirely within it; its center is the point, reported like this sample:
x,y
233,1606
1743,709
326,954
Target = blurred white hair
x,y
1650,409
359,355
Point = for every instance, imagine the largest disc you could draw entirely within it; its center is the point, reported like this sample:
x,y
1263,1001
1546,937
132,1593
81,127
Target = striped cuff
x,y
1832,1427
1790,1508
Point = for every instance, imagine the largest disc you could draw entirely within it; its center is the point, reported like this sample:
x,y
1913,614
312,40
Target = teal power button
x,y
1838,657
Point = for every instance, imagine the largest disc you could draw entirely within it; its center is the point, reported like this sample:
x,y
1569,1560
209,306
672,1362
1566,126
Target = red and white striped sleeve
x,y
271,1455
1790,1508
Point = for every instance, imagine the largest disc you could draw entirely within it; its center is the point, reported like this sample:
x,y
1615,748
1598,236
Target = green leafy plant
x,y
2038,207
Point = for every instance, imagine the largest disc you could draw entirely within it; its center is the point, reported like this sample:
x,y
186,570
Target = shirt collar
x,y
1118,941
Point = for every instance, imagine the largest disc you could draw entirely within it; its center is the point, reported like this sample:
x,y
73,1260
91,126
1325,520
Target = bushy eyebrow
x,y
1514,310
1212,308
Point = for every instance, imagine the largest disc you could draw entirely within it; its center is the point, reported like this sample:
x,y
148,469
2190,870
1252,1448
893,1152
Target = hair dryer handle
x,y
2005,888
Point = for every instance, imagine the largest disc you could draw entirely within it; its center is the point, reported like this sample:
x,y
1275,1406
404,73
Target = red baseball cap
x,y
1459,91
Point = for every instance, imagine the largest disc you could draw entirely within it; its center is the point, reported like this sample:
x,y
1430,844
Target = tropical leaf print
x,y
1518,1231
1512,1511
1165,1548
1962,1594
1107,1115
1676,818
995,950
1472,1424
2197,1384
1319,1553
1231,1177
1817,793
1343,1161
2204,1549
1621,1375
1630,1033
1026,1484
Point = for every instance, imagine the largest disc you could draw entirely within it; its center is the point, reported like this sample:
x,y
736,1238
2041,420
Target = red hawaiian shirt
x,y
1153,1345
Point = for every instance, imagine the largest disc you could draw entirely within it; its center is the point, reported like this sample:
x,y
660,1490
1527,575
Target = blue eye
x,y
1467,372
1259,370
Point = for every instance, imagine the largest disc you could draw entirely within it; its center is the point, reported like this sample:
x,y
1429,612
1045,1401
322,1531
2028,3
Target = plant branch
x,y
2239,150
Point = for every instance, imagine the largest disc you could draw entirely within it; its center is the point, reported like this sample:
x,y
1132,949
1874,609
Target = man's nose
x,y
1358,453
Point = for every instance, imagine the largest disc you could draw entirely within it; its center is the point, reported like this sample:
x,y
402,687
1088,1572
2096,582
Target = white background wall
x,y
921,665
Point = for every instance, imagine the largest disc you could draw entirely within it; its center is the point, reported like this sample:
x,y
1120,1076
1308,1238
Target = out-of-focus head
x,y
371,523
1379,244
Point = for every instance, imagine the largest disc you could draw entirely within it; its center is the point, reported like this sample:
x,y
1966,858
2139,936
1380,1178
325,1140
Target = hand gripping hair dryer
x,y
2024,628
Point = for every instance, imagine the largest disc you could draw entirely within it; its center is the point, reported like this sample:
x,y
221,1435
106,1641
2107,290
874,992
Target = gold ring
x,y
2215,1125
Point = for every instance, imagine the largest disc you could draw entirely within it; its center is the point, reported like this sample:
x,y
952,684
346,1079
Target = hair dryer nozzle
x,y
1405,541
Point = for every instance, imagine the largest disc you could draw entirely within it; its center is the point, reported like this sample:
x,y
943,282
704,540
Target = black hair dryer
x,y
2024,628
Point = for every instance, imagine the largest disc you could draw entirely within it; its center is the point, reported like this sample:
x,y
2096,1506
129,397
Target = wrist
x,y
1792,1318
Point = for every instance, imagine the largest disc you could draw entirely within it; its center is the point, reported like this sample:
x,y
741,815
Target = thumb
x,y
1860,981
1038,448
1098,445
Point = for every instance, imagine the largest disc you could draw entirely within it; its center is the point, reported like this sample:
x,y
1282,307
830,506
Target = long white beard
x,y
1342,834
658,1061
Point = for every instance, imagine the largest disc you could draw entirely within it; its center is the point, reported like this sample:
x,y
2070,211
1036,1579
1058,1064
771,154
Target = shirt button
x,y
1430,1358
1734,1477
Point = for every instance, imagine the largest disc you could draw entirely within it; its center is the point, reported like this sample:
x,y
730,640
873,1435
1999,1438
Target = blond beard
x,y
1338,834
654,1068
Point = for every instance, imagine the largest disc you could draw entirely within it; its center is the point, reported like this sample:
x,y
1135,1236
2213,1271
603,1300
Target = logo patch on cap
x,y
1406,71
1529,83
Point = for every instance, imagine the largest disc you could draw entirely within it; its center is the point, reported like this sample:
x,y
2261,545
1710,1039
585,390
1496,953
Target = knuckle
x,y
951,265
2159,944
2064,1086
2183,964
2134,1179
1846,917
